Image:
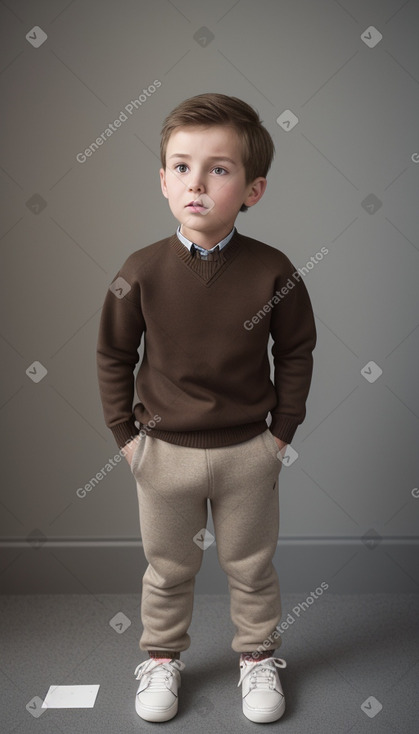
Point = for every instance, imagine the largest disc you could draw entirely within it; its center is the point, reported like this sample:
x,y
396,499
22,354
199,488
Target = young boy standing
x,y
206,300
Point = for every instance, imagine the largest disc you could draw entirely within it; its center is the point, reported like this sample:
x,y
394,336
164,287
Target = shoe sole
x,y
153,715
263,717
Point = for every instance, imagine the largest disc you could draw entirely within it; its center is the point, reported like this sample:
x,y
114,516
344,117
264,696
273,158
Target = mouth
x,y
196,204
202,205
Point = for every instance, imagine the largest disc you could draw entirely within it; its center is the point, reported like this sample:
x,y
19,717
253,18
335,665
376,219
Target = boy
x,y
206,299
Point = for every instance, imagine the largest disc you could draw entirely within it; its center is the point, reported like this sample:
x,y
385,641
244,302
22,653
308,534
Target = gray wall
x,y
344,177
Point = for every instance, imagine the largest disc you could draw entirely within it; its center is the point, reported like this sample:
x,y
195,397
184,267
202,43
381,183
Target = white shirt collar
x,y
189,243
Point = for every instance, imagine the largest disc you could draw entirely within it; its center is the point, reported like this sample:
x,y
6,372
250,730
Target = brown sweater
x,y
204,380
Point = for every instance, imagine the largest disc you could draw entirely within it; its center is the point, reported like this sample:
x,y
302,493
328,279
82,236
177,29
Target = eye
x,y
181,165
218,168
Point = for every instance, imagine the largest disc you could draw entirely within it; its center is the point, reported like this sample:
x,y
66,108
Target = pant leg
x,y
245,510
172,489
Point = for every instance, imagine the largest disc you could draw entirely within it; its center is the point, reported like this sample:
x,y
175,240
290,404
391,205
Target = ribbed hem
x,y
124,432
211,439
284,427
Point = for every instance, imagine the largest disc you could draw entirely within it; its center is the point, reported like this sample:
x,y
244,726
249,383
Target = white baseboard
x,y
347,565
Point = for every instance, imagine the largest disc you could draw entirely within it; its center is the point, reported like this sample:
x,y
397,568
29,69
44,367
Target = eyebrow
x,y
211,158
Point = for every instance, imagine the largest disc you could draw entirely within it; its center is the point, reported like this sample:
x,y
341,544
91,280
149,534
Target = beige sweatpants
x,y
173,484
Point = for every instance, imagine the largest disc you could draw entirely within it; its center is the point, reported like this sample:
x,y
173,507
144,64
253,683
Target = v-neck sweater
x,y
204,380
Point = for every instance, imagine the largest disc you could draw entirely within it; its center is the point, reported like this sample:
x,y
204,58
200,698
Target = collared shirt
x,y
202,251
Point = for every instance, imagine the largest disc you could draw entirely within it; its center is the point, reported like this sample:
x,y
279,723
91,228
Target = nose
x,y
195,183
195,187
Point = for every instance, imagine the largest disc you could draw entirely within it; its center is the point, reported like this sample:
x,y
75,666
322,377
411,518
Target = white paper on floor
x,y
71,697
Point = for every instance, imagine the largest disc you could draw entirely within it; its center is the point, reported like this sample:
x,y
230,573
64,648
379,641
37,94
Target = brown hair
x,y
207,109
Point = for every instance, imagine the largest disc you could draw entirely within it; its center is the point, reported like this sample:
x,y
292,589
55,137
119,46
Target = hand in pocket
x,y
129,449
282,446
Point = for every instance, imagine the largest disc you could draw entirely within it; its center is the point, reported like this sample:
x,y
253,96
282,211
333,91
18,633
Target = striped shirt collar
x,y
202,250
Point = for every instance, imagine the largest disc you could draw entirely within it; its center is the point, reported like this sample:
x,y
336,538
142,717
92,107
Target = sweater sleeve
x,y
294,333
120,331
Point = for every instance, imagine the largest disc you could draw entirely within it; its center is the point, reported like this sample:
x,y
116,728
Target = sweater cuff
x,y
124,432
284,427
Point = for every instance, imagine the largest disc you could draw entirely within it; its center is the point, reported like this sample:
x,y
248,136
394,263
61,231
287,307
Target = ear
x,y
255,191
163,182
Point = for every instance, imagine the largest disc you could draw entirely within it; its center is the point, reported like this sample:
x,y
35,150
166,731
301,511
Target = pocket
x,y
137,453
271,445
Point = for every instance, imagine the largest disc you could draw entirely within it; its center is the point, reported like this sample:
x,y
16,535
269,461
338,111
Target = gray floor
x,y
339,651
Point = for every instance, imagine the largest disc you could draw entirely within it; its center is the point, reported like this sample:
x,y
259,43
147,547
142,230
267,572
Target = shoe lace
x,y
262,673
157,675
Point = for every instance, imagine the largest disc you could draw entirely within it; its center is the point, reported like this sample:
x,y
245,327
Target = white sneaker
x,y
263,697
157,694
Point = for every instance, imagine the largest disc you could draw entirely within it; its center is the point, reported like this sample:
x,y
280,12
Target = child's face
x,y
197,169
